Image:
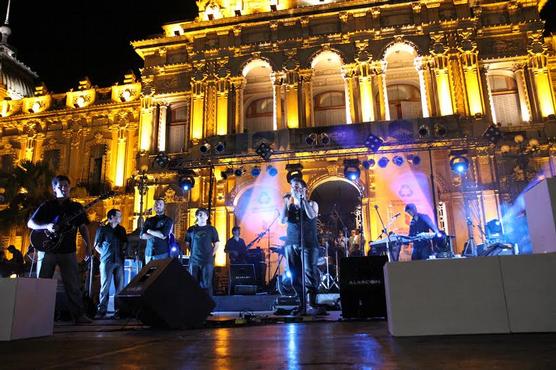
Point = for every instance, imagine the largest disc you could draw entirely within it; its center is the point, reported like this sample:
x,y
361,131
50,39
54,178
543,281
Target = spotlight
x,y
440,130
126,95
186,180
264,151
271,170
397,160
204,148
369,164
255,171
459,164
162,160
423,131
492,134
80,102
226,173
239,171
413,159
373,143
494,229
351,169
383,162
294,171
311,139
220,147
324,138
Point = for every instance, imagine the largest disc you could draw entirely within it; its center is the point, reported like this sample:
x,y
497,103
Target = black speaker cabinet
x,y
362,291
242,275
164,294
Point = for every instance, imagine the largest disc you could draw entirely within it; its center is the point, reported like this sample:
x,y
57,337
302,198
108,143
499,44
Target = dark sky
x,y
64,41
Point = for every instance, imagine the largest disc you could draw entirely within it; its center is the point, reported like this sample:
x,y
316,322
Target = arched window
x,y
404,101
506,100
330,108
175,130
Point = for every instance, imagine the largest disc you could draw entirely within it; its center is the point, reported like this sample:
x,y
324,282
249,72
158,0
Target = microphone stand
x,y
302,301
385,230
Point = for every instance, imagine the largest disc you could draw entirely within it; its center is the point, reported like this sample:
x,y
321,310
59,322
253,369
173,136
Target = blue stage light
x,y
351,169
271,170
186,180
383,162
369,164
397,160
459,164
255,171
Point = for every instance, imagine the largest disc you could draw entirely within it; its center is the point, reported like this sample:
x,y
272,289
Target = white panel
x,y
540,206
530,287
439,297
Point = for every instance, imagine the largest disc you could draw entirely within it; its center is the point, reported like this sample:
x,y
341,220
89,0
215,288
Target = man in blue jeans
x,y
46,218
202,241
111,244
156,231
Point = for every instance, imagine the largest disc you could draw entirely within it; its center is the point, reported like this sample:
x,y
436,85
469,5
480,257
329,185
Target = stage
x,y
324,343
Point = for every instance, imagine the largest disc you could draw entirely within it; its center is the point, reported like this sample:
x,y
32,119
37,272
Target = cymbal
x,y
277,250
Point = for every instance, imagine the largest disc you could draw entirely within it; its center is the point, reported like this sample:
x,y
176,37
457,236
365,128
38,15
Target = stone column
x,y
366,92
538,63
524,102
348,74
146,124
469,62
383,108
222,91
443,91
277,82
292,99
307,97
420,66
162,117
196,130
238,84
120,156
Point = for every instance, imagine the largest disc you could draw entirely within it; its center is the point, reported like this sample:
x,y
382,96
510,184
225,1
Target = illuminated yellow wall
x,y
444,95
220,223
222,113
474,92
292,106
197,117
145,129
366,89
544,93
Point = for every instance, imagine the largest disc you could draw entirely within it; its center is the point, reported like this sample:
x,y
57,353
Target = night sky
x,y
63,41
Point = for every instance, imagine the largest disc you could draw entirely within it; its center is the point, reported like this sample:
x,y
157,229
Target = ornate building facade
x,y
284,84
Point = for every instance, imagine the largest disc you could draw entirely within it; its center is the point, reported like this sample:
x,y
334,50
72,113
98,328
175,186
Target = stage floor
x,y
323,343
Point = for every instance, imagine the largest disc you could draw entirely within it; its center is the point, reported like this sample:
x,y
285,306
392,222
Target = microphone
x,y
376,206
287,196
397,215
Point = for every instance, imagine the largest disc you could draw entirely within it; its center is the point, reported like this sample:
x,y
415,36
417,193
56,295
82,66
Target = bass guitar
x,y
46,241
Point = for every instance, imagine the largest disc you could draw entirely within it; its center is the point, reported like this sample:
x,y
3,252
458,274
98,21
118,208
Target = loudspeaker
x,y
362,291
164,294
242,274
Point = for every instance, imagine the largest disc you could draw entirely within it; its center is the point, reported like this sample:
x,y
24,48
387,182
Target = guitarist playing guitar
x,y
236,248
52,216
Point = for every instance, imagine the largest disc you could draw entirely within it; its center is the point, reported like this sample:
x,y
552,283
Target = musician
x,y
111,244
16,263
45,218
356,243
420,223
202,241
235,247
300,214
156,231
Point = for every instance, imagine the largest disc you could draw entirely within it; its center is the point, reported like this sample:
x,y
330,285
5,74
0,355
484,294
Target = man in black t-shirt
x,y
111,244
45,218
420,223
202,240
235,247
156,231
16,263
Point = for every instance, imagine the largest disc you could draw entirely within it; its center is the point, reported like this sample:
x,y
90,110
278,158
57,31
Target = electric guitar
x,y
46,241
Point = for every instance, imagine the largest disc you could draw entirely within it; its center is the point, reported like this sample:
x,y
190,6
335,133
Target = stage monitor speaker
x,y
242,274
164,294
362,291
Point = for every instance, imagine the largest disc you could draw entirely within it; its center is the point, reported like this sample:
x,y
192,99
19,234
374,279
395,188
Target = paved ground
x,y
327,344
